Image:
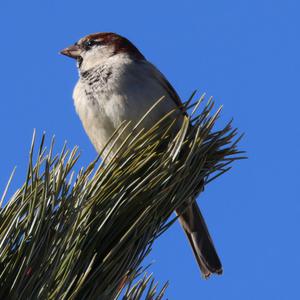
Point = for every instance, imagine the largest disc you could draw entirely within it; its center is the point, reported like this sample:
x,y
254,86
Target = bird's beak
x,y
72,51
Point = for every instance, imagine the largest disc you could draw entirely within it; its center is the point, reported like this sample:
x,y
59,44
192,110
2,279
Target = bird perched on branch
x,y
116,84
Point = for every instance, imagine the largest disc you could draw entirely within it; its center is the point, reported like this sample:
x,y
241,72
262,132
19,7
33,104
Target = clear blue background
x,y
245,54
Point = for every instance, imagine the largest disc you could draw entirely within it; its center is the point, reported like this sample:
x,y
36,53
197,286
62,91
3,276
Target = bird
x,y
117,84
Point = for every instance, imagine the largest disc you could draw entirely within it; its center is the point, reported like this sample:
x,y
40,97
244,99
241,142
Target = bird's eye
x,y
89,43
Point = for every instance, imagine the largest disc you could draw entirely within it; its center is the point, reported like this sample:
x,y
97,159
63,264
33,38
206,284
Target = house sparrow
x,y
116,84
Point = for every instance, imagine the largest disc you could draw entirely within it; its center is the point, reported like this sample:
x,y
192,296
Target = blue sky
x,y
246,55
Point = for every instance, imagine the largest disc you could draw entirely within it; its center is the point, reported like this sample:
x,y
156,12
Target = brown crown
x,y
119,43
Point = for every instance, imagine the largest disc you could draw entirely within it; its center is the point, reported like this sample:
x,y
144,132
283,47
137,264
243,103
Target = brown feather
x,y
201,242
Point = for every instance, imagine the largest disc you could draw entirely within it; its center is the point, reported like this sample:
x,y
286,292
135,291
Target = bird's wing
x,y
162,80
191,218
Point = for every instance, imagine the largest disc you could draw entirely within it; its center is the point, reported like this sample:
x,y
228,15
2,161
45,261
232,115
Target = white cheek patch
x,y
97,55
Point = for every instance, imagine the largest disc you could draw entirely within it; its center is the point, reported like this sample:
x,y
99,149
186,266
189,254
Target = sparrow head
x,y
95,49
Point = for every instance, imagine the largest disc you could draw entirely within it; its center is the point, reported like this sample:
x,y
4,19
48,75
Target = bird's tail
x,y
196,230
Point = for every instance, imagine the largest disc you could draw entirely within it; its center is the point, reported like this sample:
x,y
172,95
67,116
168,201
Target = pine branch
x,y
84,236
